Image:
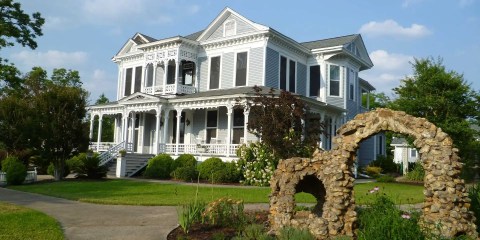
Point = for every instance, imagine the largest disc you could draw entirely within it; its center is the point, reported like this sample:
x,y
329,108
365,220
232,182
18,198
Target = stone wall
x,y
328,177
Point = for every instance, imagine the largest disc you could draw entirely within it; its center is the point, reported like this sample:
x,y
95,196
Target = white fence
x,y
30,178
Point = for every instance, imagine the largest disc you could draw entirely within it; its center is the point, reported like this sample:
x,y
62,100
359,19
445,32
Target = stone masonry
x,y
328,177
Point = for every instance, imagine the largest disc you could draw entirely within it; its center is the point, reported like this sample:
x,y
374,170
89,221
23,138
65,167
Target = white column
x,y
246,112
229,128
177,138
132,131
99,135
177,68
115,128
92,120
157,130
165,125
165,66
143,77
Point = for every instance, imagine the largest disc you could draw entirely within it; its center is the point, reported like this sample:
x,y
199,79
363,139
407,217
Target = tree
x,y
376,100
107,122
283,122
441,96
19,26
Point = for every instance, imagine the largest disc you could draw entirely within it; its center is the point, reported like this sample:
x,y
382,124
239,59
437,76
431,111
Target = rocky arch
x,y
446,204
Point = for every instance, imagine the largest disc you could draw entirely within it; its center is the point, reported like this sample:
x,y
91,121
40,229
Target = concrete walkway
x,y
93,221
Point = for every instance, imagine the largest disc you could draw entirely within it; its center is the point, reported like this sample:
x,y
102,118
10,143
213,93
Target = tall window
x,y
171,73
138,79
283,73
334,80
215,72
291,78
238,126
241,73
351,76
314,80
413,153
211,125
149,81
128,81
188,73
380,145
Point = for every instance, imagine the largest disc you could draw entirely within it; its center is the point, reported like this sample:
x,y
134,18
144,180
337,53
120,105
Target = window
x,y
238,125
211,125
188,73
171,74
149,82
413,153
314,81
241,73
215,72
128,81
283,73
334,80
351,84
138,79
380,145
229,28
291,74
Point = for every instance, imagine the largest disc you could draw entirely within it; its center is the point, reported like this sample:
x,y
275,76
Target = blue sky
x,y
85,34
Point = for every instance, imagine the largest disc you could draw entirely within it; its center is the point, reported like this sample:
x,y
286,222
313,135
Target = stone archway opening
x,y
312,185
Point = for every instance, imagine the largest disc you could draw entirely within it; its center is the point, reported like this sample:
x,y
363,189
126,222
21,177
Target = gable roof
x,y
366,84
330,42
222,17
194,35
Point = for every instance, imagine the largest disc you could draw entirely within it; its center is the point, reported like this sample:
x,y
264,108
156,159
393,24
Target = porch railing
x,y
170,89
102,147
199,149
31,177
112,152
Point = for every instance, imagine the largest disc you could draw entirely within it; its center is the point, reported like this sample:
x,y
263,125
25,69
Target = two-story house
x,y
178,95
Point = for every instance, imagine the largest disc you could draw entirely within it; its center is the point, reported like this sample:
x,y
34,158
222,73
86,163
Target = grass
x,y
127,192
24,223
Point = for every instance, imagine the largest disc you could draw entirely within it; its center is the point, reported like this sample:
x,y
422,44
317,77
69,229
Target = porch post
x,y
143,78
99,135
165,66
115,128
229,128
124,128
177,138
157,130
246,112
322,135
132,131
165,125
177,68
92,120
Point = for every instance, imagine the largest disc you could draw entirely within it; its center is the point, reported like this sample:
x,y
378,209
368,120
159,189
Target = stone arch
x,y
446,201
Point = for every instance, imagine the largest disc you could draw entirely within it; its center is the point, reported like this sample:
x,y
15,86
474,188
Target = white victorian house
x,y
181,94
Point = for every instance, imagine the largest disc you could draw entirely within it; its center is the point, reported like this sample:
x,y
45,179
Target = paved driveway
x,y
93,221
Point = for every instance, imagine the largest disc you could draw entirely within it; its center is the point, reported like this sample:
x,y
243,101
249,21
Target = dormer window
x,y
229,28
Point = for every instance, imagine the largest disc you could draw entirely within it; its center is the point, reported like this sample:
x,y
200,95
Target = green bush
x,y
51,170
15,170
185,160
213,169
256,163
87,166
385,178
386,164
254,232
290,233
159,166
373,171
189,214
233,173
225,212
186,173
383,221
474,195
417,173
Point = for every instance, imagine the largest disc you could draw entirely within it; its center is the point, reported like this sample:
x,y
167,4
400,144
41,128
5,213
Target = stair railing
x,y
111,153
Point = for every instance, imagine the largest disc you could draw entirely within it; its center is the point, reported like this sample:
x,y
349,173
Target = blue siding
x,y
255,70
271,68
227,70
366,151
301,79
203,73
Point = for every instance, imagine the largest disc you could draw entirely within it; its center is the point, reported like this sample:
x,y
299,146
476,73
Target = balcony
x,y
169,89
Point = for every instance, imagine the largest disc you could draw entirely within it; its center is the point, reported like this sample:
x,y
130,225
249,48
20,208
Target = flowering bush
x,y
257,163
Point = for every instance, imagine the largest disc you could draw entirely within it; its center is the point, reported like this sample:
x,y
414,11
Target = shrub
x,y
290,233
186,173
233,173
225,212
474,195
386,164
373,171
15,170
87,166
159,167
254,232
51,170
256,163
213,169
185,160
417,173
385,178
382,220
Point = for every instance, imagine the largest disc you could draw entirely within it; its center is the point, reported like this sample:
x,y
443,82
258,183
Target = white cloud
x,y
388,70
100,81
391,28
50,59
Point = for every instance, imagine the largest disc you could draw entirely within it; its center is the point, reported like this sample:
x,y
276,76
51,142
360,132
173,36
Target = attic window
x,y
229,28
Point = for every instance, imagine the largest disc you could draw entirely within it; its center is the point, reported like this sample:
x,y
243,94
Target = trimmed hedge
x,y
159,166
15,170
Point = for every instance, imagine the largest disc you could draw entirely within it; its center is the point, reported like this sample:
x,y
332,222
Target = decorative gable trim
x,y
138,97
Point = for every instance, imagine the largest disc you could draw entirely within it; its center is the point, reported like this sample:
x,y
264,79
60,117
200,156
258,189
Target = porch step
x,y
134,163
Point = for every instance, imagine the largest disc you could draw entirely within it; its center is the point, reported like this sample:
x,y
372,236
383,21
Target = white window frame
x,y
225,34
287,72
352,83
235,67
413,150
210,71
340,89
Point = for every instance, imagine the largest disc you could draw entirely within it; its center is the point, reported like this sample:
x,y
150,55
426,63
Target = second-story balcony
x,y
169,89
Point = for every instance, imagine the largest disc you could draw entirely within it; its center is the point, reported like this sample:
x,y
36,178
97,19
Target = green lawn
x,y
143,193
24,223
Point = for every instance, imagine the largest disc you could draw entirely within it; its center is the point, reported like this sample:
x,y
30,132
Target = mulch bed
x,y
207,232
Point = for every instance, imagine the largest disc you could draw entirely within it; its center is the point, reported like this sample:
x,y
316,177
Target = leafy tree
x,y
376,100
444,98
283,122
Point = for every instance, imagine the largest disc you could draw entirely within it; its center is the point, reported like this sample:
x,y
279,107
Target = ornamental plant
x,y
257,163
15,170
